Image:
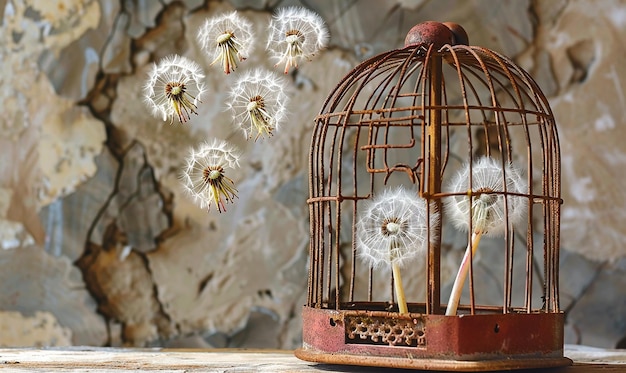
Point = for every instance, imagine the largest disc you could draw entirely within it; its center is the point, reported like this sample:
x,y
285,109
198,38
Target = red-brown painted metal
x,y
478,342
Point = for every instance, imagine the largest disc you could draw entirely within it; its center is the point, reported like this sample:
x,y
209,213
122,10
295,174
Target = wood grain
x,y
160,360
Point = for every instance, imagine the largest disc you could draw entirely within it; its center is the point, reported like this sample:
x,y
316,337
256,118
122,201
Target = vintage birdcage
x,y
439,118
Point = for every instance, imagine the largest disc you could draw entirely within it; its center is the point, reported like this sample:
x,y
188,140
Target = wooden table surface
x,y
85,359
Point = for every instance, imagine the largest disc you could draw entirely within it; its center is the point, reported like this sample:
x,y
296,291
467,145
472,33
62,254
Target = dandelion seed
x,y
258,102
228,38
296,33
174,88
485,212
393,230
205,175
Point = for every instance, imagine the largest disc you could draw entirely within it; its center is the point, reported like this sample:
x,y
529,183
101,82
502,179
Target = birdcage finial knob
x,y
437,33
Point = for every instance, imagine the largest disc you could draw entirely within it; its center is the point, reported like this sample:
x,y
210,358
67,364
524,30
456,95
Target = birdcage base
x,y
481,342
431,364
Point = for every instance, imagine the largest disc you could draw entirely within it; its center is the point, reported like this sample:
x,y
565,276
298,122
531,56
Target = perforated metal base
x,y
482,342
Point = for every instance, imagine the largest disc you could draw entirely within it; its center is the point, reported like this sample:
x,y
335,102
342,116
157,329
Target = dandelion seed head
x,y
296,33
212,173
294,36
258,103
174,88
487,212
205,176
393,228
227,38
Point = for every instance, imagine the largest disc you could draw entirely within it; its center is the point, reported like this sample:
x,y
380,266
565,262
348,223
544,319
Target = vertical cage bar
x,y
555,190
312,218
434,180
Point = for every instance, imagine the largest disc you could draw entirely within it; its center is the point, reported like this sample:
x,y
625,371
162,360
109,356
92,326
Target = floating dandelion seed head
x,y
205,175
296,33
212,173
294,37
487,211
393,228
226,38
258,103
174,88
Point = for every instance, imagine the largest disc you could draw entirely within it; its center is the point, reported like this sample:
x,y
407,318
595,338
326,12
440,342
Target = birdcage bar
x,y
452,107
554,181
331,232
435,82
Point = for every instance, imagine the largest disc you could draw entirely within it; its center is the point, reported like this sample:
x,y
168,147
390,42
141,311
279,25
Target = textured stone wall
x,y
99,244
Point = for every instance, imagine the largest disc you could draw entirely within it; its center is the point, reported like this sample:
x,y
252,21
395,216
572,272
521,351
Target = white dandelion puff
x,y
205,174
258,103
296,33
174,88
485,207
227,38
392,231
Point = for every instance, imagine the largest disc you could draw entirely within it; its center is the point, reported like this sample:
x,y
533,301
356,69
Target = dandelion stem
x,y
459,281
397,282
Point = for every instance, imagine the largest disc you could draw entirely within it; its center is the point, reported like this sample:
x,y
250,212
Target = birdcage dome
x,y
445,137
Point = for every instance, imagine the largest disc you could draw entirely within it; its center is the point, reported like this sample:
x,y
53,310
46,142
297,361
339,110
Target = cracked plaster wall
x,y
100,247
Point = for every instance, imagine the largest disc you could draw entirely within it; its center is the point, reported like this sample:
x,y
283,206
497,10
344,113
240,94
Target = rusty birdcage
x,y
432,117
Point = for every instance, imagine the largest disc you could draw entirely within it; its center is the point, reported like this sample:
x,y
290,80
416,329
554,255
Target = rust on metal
x,y
430,32
481,342
413,116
